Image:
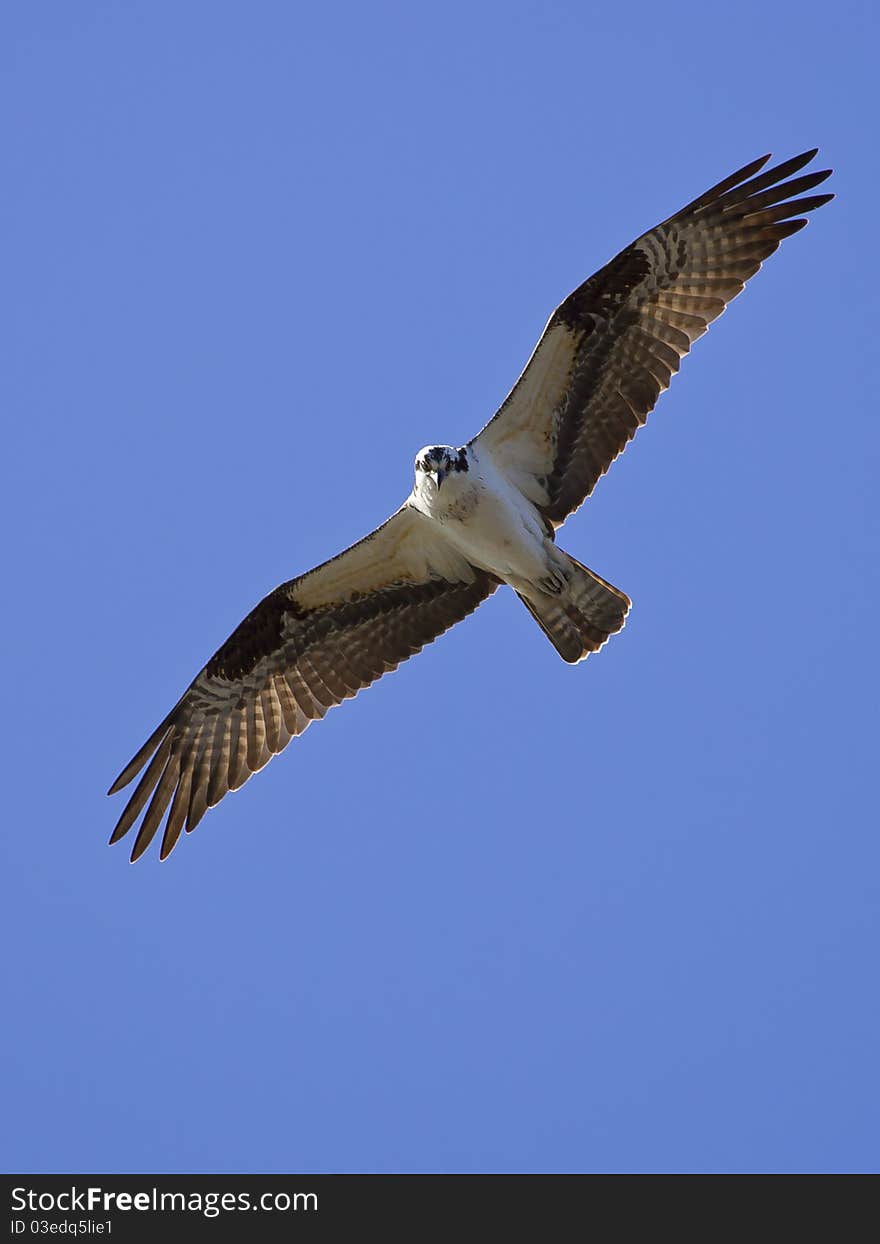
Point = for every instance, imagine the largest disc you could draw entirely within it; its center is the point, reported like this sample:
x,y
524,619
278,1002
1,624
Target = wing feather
x,y
291,713
218,784
257,753
309,645
158,806
236,766
321,694
180,802
144,788
612,347
198,799
312,708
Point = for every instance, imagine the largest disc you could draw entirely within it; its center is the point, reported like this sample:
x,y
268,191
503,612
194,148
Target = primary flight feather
x,y
478,516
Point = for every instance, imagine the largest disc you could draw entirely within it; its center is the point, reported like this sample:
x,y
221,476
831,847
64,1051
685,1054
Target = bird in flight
x,y
478,516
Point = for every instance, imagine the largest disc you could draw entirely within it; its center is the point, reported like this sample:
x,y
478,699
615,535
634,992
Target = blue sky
x,y
498,914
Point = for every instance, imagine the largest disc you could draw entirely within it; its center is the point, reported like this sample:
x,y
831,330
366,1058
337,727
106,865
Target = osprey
x,y
478,516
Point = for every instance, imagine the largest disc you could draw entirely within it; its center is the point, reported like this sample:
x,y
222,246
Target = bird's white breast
x,y
487,519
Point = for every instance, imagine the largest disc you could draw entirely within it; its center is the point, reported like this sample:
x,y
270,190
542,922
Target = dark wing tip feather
x,y
143,840
151,778
140,758
786,228
754,199
770,187
740,188
793,164
735,179
810,203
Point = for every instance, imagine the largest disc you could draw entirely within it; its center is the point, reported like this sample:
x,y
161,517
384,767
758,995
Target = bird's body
x,y
483,515
497,528
478,516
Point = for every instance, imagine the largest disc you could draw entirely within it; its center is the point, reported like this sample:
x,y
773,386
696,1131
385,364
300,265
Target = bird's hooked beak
x,y
441,476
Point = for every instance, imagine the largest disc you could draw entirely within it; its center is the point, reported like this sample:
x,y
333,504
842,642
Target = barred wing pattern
x,y
309,645
611,348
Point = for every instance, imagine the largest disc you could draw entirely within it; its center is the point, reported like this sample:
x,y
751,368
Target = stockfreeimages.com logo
x,y
210,1204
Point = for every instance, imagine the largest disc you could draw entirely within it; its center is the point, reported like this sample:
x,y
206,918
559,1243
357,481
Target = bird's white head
x,y
436,463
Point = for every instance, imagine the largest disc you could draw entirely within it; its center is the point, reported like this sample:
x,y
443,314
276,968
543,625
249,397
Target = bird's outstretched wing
x,y
312,643
611,348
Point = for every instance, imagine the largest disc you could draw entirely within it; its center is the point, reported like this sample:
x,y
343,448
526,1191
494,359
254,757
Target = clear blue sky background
x,y
498,914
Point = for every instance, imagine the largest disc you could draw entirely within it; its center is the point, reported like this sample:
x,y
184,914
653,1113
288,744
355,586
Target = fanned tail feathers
x,y
581,618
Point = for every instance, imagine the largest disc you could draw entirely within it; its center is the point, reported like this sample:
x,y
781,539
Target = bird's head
x,y
435,463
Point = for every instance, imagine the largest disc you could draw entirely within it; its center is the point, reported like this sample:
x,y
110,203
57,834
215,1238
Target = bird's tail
x,y
583,615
